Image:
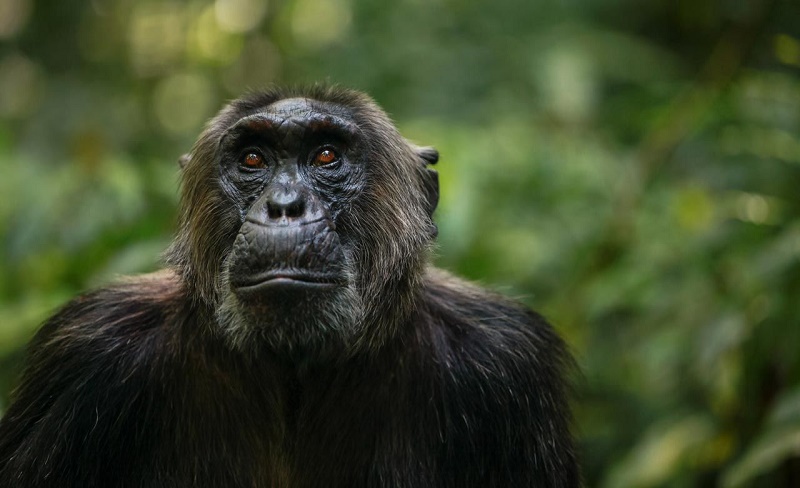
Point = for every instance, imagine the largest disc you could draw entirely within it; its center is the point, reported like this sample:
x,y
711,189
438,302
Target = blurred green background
x,y
630,168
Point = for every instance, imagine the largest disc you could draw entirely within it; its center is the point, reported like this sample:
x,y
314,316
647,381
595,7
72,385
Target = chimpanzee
x,y
298,336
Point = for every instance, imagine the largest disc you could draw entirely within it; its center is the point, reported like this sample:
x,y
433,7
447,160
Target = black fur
x,y
445,385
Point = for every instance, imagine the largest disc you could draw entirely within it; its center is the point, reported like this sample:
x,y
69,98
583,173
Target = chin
x,y
289,316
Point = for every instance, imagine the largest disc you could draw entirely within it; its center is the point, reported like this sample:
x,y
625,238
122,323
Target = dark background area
x,y
629,168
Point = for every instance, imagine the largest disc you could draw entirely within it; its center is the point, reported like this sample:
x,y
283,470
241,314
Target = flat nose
x,y
285,203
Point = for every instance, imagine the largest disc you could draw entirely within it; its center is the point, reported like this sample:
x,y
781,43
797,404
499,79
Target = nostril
x,y
285,205
274,211
295,209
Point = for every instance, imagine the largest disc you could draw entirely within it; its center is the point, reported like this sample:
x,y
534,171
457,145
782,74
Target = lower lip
x,y
286,282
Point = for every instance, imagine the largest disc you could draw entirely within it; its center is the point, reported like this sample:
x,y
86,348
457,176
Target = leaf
x,y
664,450
779,440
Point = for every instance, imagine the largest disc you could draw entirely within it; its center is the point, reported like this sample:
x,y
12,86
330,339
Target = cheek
x,y
340,199
239,196
221,212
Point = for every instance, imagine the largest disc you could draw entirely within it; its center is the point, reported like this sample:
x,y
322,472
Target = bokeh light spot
x,y
20,83
182,102
318,23
752,208
787,49
156,38
13,17
694,208
240,15
208,42
567,81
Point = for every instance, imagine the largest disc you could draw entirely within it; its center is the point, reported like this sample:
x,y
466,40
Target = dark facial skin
x,y
290,170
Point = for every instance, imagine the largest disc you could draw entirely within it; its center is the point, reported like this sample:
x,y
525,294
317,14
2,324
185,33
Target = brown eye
x,y
253,160
325,157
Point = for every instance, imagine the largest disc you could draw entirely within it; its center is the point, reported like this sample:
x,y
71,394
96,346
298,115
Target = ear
x,y
431,188
428,154
184,160
430,181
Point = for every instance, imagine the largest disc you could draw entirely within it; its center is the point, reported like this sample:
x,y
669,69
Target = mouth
x,y
286,280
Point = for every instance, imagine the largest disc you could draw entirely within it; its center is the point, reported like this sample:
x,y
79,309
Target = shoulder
x,y
136,299
103,326
111,318
482,322
503,381
101,331
93,348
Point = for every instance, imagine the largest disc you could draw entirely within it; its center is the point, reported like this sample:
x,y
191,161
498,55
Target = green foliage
x,y
629,168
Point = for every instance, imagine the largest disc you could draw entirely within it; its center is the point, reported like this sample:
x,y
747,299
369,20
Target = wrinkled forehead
x,y
303,108
293,107
295,118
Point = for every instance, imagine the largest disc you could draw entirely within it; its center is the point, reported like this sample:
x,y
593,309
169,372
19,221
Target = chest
x,y
330,434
